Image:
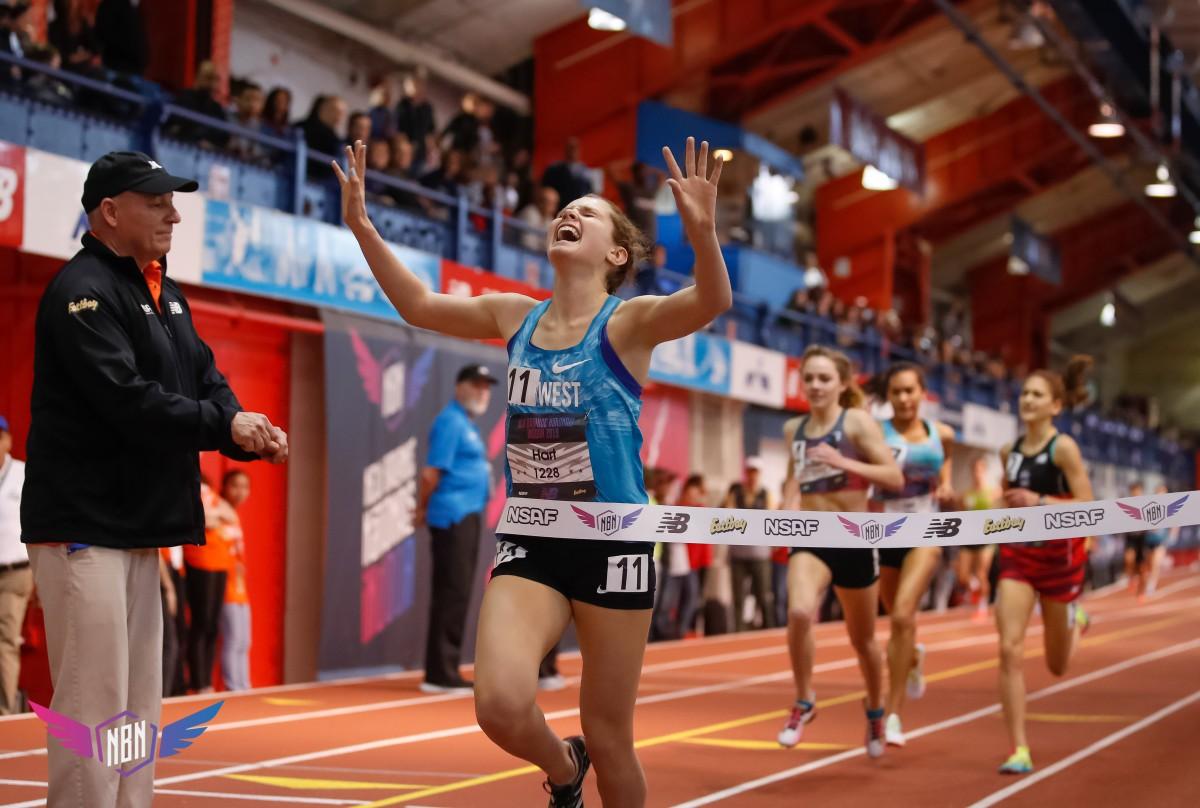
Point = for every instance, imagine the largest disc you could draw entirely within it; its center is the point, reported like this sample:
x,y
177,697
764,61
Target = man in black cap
x,y
125,397
454,491
14,37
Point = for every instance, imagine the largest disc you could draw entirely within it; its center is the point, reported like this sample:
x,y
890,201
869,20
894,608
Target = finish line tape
x,y
625,522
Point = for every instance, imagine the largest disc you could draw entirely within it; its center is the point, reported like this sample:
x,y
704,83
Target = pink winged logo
x,y
76,736
607,522
871,530
1153,512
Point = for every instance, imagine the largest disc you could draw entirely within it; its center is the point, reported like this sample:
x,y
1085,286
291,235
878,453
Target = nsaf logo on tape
x,y
1153,512
872,531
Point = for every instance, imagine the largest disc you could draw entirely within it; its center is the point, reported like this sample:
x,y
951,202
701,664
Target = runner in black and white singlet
x,y
577,364
905,573
838,452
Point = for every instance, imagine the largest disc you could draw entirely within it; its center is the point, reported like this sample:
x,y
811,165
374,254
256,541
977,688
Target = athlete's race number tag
x,y
1014,465
814,477
627,573
523,384
548,456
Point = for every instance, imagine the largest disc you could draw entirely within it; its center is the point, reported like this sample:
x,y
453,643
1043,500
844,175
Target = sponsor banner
x,y
274,254
1037,254
793,386
645,18
986,428
385,384
698,361
759,375
464,281
631,522
55,221
12,194
866,135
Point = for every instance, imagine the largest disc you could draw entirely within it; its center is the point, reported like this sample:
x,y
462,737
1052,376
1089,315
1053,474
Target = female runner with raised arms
x,y
577,363
838,452
904,572
1042,467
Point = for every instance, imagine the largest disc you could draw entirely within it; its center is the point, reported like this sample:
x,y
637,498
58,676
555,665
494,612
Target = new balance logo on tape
x,y
943,528
1066,519
674,522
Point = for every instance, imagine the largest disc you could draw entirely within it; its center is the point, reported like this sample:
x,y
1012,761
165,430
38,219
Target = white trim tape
x,y
627,522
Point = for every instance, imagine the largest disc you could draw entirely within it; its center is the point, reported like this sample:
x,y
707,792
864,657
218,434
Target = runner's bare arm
x,y
494,316
1068,458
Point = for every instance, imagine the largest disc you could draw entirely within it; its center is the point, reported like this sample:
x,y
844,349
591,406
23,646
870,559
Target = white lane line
x,y
1101,673
219,795
835,642
228,795
469,729
1086,752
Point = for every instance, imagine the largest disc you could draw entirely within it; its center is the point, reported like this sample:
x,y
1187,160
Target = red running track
x,y
1118,729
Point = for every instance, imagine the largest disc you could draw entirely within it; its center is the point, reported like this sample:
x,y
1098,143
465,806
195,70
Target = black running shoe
x,y
571,794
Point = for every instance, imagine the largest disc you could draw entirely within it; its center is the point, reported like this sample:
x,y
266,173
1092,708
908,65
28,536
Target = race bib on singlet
x,y
548,457
814,477
921,504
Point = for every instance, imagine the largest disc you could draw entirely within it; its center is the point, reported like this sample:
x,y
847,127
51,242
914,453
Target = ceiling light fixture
x,y
1108,314
875,180
1108,126
1194,236
1017,265
724,154
1162,187
601,20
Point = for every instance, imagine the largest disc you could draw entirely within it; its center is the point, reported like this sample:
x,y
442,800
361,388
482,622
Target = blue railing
x,y
297,179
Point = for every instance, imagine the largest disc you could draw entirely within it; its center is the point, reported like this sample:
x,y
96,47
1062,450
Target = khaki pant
x,y
103,612
15,586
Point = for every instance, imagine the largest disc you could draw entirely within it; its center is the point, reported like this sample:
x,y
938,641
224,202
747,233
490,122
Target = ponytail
x,y
1071,387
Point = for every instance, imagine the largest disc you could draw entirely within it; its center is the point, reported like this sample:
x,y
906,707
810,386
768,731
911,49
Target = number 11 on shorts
x,y
627,573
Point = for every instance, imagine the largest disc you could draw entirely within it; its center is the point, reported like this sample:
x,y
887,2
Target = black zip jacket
x,y
125,397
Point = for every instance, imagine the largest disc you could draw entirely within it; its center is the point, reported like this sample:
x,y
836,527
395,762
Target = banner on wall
x,y
464,281
859,130
55,221
759,375
274,254
666,430
12,194
987,428
698,361
384,385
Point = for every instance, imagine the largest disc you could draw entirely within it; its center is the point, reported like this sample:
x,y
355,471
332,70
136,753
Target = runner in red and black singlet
x,y
1042,467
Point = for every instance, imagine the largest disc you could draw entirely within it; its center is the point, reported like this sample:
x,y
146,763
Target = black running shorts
x,y
852,568
611,574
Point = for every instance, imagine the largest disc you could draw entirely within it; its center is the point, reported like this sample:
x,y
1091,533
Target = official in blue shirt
x,y
454,491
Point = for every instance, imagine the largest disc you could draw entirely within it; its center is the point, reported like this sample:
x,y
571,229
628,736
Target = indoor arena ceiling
x,y
488,35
